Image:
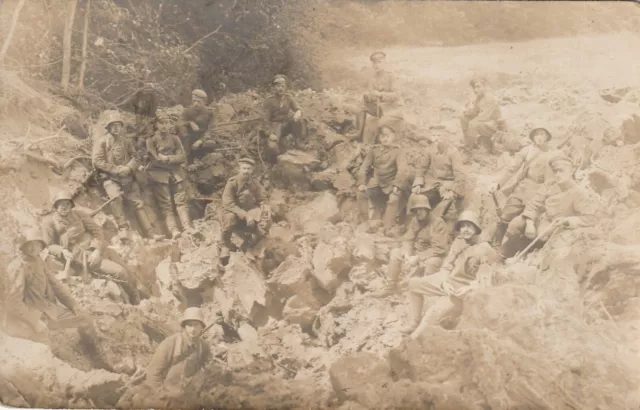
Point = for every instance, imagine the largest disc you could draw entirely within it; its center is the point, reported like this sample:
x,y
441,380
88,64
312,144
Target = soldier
x,y
482,117
424,245
195,126
241,195
379,100
114,157
385,188
441,177
560,204
166,155
526,176
36,301
283,116
145,106
72,234
175,362
458,270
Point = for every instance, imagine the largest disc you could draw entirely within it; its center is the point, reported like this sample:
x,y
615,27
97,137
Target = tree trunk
x,y
14,23
85,41
66,45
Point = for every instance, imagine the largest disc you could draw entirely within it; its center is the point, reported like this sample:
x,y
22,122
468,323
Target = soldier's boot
x,y
131,290
393,276
145,225
172,225
416,302
117,210
390,216
510,246
501,230
185,219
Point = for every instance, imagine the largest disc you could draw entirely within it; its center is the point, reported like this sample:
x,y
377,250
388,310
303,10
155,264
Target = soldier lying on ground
x,y
441,177
175,362
72,235
195,126
283,116
386,188
458,270
560,204
36,301
114,157
481,118
241,195
166,156
523,179
424,245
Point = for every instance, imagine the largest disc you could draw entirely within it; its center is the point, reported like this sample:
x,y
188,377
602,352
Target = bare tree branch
x,y
202,38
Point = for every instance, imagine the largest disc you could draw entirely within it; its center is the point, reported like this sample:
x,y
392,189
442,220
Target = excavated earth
x,y
297,325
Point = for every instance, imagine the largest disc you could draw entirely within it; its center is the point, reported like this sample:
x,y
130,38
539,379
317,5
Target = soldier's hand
x,y
562,222
273,137
194,126
163,158
395,190
95,257
196,144
67,254
123,171
362,188
251,222
530,229
416,189
494,187
445,193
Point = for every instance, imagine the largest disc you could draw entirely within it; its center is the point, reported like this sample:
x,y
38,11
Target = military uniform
x,y
441,167
278,111
145,105
203,117
482,120
167,177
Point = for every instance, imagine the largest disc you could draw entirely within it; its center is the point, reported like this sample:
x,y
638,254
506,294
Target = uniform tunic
x,y
552,202
382,82
430,238
203,117
442,164
528,173
388,165
78,231
169,145
279,109
176,359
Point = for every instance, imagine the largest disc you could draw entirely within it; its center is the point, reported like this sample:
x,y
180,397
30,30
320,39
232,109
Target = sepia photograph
x,y
320,204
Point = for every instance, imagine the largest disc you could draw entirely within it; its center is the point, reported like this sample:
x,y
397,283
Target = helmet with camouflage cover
x,y
111,117
32,235
63,196
469,216
417,201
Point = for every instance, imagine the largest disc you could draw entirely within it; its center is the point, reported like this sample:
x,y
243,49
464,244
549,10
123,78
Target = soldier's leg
x,y
162,193
363,205
513,208
134,199
431,265
416,305
182,207
378,200
117,206
392,211
120,275
514,239
150,203
393,273
464,125
228,222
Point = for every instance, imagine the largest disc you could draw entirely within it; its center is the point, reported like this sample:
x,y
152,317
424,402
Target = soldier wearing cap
x,y
194,128
241,195
441,177
385,188
177,359
482,117
73,234
114,158
379,100
166,157
523,178
424,245
284,116
560,204
459,269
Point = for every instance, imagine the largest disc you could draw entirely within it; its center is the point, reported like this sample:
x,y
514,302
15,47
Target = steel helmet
x,y
111,117
61,196
199,93
192,313
418,201
393,122
469,216
32,234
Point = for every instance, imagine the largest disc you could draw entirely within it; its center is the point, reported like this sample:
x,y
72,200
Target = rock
x,y
290,277
244,286
278,203
614,95
294,168
321,181
198,267
245,353
77,125
296,311
342,154
312,217
102,385
331,263
343,181
224,112
362,377
107,308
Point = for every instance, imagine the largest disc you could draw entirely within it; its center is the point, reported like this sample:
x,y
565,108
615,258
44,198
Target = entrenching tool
x,y
549,229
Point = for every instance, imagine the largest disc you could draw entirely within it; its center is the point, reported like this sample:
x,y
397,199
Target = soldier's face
x,y
387,136
115,128
246,170
378,65
193,328
32,248
563,172
467,230
197,101
279,88
421,214
63,207
478,88
540,140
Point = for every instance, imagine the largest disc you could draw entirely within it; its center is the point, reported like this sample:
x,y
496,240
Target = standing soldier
x,y
283,116
560,204
166,156
36,301
195,126
459,269
378,101
241,195
424,245
145,106
385,188
114,157
481,117
175,362
523,179
72,235
441,177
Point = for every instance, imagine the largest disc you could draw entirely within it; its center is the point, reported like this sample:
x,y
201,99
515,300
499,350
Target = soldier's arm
x,y
422,168
409,237
388,94
16,285
535,206
439,240
457,247
586,210
183,127
514,166
179,157
50,238
229,200
160,362
133,162
60,291
261,194
401,171
208,139
151,149
94,229
99,158
295,107
267,110
459,173
490,110
364,168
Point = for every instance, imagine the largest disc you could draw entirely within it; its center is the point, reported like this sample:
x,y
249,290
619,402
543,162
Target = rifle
x,y
224,124
101,207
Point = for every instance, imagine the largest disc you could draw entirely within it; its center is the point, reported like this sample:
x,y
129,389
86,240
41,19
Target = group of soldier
x,y
441,252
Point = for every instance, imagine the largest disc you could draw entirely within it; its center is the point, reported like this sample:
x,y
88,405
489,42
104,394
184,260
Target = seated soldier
x,y
241,195
195,125
283,116
560,204
385,188
72,234
441,177
481,118
456,273
424,245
